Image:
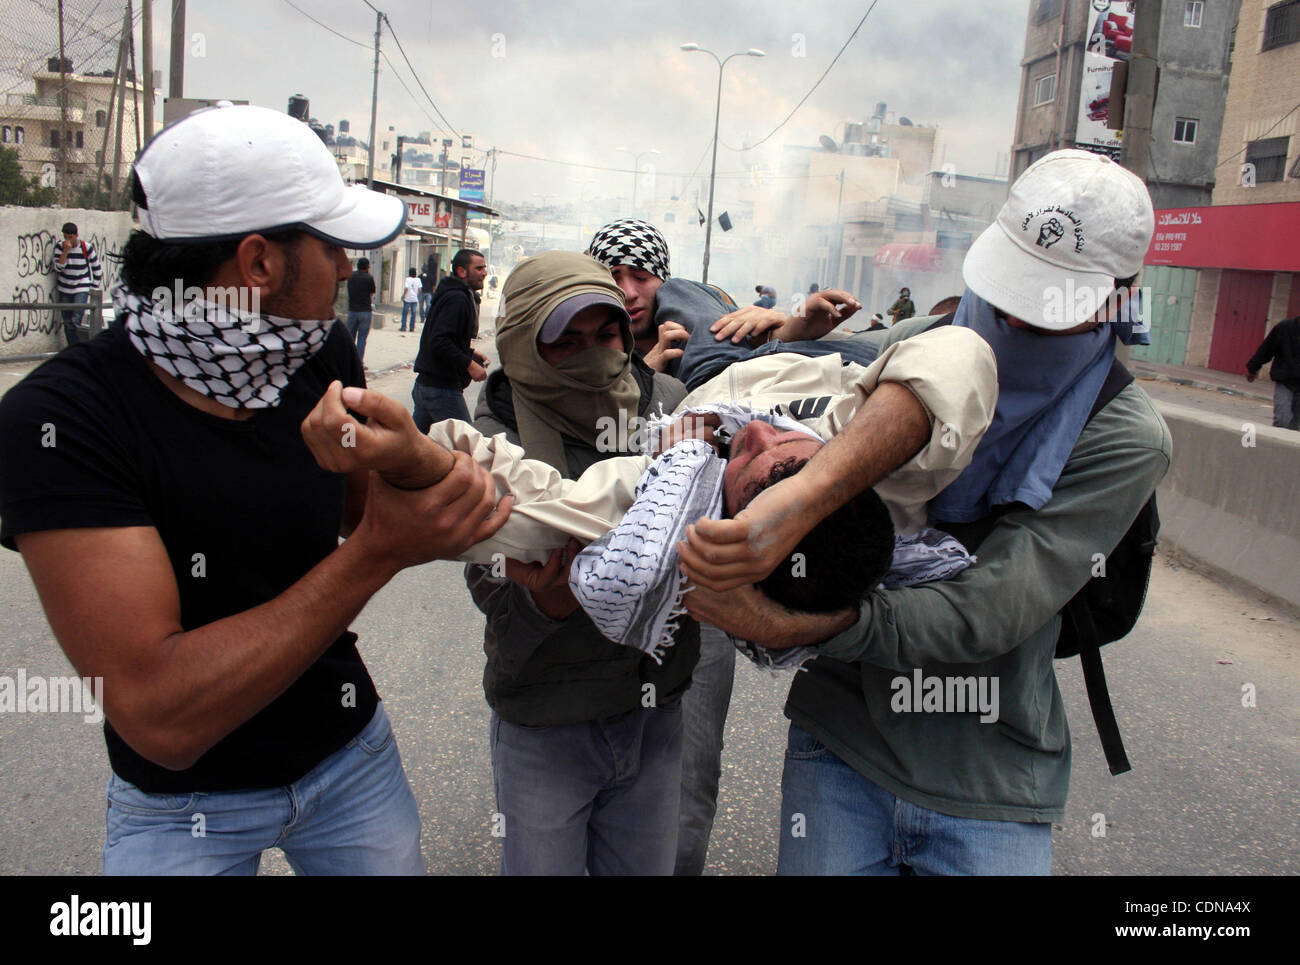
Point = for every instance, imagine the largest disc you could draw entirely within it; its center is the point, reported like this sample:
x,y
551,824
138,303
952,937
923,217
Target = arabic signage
x,y
1109,38
1250,237
471,184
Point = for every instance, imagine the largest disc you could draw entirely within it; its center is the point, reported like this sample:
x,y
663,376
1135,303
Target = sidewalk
x,y
1211,379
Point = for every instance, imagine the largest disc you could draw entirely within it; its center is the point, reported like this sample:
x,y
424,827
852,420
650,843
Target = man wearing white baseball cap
x,y
877,784
184,541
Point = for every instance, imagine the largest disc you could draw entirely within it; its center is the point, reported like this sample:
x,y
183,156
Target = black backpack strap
x,y
1094,679
1116,379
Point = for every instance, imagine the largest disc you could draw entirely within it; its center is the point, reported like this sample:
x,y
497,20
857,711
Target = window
x,y
81,139
18,135
5,134
1268,156
101,118
1185,130
1044,90
1192,11
54,137
1282,24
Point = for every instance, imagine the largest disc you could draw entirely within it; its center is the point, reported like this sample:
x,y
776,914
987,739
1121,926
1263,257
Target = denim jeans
x,y
1286,411
359,329
433,404
836,822
353,814
599,796
703,356
411,310
72,316
704,719
426,298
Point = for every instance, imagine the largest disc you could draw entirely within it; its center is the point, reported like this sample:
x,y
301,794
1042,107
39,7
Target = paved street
x,y
1211,791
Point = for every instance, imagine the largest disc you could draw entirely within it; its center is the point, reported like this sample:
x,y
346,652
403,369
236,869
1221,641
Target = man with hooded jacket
x,y
585,734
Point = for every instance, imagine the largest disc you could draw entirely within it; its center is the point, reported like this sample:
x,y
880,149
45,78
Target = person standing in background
x,y
361,288
410,300
1281,346
79,272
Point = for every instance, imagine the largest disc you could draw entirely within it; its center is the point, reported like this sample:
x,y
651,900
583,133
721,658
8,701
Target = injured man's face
x,y
760,455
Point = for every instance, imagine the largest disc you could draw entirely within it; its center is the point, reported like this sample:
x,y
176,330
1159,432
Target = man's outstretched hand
x,y
722,554
387,442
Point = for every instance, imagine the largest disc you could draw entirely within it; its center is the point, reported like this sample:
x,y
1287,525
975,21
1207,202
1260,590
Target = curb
x,y
1148,375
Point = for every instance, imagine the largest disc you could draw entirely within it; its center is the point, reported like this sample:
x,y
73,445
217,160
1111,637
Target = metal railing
x,y
48,100
92,320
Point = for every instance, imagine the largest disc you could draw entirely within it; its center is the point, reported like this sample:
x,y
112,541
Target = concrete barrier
x,y
1229,500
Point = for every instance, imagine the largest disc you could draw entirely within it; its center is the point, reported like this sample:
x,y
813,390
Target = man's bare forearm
x,y
891,427
428,465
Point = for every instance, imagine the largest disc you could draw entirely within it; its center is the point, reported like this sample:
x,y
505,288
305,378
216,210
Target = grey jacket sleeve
x,y
1032,562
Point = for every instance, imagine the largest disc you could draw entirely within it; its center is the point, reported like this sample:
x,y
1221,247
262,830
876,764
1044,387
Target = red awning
x,y
913,257
1252,237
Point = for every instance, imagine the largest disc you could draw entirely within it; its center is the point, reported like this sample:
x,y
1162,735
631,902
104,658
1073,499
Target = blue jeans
x,y
703,356
353,814
410,309
836,822
72,316
704,718
433,404
359,329
426,298
1286,407
599,796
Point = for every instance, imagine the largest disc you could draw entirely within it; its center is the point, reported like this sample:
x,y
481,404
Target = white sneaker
x,y
628,580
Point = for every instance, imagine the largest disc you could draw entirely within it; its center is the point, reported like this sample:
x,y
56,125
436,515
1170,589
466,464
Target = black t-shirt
x,y
246,495
361,285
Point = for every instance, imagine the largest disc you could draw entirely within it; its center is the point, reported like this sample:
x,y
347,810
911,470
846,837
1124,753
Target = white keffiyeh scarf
x,y
240,359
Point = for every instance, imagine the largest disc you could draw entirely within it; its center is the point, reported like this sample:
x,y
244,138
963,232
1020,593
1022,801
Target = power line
x,y
1269,131
393,31
813,88
327,26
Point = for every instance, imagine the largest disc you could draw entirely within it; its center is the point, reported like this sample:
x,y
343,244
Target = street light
x,y
636,168
717,113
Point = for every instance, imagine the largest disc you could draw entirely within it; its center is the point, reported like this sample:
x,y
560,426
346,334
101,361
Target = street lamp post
x,y
636,169
717,114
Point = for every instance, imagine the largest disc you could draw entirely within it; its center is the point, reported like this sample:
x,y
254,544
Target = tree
x,y
17,189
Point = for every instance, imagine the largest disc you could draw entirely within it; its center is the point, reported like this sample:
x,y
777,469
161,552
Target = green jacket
x,y
996,620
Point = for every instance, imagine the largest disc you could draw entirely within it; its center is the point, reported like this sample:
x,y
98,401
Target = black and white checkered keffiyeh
x,y
241,360
636,244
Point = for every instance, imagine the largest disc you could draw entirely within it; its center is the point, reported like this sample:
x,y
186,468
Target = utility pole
x,y
1140,94
63,114
374,103
136,87
176,82
121,105
108,120
146,57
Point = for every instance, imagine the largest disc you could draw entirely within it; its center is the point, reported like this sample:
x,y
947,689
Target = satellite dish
x,y
828,143
905,122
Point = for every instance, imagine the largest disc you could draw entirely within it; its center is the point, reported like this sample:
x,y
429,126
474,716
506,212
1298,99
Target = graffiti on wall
x,y
34,268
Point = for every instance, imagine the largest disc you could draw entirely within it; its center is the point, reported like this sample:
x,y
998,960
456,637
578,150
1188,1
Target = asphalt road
x,y
1212,790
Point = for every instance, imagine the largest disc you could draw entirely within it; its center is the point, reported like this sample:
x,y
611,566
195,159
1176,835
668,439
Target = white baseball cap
x,y
1074,220
228,171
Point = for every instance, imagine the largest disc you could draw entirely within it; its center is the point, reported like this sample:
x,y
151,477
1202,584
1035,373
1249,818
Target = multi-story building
x,y
65,122
1073,49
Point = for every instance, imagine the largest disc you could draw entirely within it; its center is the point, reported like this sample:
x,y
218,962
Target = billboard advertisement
x,y
1109,39
471,184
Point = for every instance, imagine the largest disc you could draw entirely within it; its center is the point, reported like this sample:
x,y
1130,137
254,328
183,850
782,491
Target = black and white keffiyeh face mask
x,y
636,244
239,359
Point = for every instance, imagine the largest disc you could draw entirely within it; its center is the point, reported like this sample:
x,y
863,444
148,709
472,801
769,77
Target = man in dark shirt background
x,y
1281,346
446,363
361,288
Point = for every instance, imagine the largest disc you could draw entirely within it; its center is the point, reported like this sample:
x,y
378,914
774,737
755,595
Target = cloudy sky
x,y
571,80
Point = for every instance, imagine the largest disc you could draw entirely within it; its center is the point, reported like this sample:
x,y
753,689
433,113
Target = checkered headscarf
x,y
633,243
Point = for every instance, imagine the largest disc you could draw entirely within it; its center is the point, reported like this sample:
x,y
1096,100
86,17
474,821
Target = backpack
x,y
1107,607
